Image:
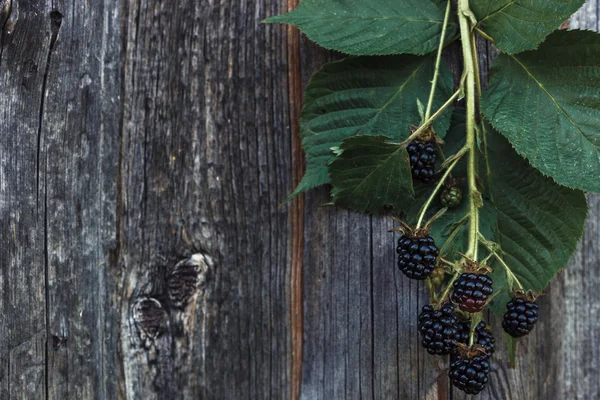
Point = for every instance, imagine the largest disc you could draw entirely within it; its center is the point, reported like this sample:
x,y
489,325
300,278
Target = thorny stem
x,y
428,121
464,13
437,63
435,192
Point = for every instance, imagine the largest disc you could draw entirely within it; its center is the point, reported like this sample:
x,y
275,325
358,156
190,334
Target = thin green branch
x,y
450,285
475,320
437,63
494,251
428,122
435,191
484,35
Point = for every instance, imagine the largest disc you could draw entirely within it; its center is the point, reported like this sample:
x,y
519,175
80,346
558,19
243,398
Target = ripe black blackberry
x,y
422,160
451,197
520,317
470,374
483,337
417,256
471,291
439,329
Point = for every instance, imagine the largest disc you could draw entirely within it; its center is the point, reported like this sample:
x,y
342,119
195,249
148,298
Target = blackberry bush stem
x,y
437,63
475,320
464,15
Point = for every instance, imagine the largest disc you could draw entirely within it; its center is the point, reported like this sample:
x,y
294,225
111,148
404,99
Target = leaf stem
x,y
428,121
475,320
494,251
484,35
464,18
435,191
437,63
450,283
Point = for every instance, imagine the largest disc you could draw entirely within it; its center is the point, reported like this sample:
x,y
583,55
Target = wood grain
x,y
145,148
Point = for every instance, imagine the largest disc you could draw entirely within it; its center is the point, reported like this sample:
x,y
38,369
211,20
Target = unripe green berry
x,y
451,197
437,276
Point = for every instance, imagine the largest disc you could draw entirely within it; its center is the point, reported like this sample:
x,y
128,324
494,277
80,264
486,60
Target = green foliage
x,y
519,25
374,27
547,103
523,207
365,96
369,173
538,222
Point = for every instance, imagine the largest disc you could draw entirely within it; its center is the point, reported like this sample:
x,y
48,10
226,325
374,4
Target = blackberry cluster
x,y
451,197
483,337
471,291
422,160
470,374
520,317
439,329
416,256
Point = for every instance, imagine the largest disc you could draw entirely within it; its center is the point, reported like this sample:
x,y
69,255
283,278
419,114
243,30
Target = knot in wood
x,y
187,277
150,319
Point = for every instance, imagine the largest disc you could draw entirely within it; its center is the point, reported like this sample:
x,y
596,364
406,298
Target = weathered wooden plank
x,y
205,162
25,42
78,146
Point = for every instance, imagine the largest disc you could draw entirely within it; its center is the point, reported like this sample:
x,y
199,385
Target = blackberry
x,y
417,256
520,317
470,374
439,329
422,160
471,291
483,337
451,197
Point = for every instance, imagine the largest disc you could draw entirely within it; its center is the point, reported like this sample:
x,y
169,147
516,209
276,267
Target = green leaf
x,y
371,174
366,96
519,25
375,27
538,222
547,103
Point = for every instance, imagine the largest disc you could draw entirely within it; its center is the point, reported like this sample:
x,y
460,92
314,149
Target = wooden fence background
x,y
144,148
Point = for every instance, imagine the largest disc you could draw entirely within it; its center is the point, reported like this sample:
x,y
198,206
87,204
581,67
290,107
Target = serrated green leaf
x,y
520,25
371,174
375,27
547,103
366,96
538,222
